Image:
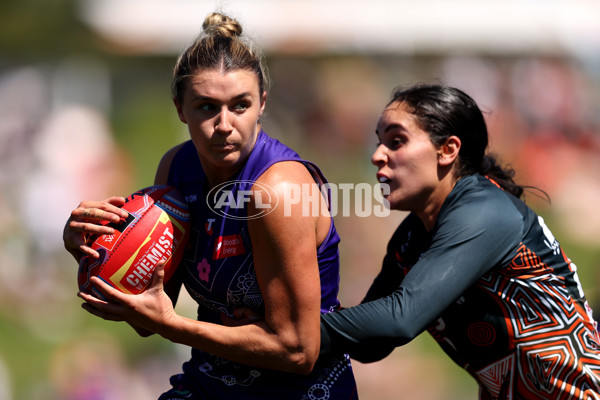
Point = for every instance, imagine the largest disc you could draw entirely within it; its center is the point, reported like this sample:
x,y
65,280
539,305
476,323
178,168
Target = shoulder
x,y
291,186
477,204
267,159
286,172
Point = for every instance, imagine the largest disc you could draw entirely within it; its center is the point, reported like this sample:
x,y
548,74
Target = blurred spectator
x,y
73,145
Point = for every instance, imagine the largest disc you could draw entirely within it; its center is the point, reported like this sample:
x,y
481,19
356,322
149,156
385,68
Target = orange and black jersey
x,y
491,284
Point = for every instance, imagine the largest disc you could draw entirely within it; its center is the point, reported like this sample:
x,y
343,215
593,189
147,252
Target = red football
x,y
157,228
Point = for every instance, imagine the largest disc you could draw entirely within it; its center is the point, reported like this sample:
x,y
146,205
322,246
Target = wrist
x,y
172,328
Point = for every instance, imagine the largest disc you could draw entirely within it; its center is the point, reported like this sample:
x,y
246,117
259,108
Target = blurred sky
x,y
85,113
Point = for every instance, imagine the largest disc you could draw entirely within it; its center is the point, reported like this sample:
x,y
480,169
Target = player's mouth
x,y
383,179
224,147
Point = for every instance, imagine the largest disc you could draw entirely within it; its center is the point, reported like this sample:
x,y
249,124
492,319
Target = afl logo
x,y
229,200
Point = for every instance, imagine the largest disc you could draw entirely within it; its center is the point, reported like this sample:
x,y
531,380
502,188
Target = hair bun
x,y
221,25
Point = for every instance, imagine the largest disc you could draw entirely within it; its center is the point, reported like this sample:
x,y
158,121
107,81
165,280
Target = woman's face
x,y
406,159
222,110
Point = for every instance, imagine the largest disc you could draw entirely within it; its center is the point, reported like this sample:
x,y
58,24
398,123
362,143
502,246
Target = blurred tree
x,y
35,30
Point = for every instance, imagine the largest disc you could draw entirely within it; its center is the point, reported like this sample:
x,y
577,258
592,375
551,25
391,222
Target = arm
x,y
286,267
386,282
468,242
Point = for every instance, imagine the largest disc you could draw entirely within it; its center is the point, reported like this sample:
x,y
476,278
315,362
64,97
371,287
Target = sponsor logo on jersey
x,y
228,246
208,226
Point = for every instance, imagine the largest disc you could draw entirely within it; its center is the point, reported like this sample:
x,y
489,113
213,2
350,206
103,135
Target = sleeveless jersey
x,y
493,287
218,272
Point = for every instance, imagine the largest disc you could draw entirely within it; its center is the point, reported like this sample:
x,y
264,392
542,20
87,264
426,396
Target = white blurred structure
x,y
375,26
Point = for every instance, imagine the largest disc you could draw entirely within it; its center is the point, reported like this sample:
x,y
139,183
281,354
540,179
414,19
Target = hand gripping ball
x,y
157,228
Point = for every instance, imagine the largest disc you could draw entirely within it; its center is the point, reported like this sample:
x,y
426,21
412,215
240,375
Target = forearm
x,y
252,344
369,331
288,343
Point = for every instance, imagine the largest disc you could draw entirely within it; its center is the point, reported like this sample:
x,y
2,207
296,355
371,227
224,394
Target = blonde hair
x,y
220,46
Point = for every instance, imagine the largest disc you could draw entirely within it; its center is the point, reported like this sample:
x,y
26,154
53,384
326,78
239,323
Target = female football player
x,y
282,264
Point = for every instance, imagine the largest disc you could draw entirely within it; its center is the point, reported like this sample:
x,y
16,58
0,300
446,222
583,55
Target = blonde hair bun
x,y
221,25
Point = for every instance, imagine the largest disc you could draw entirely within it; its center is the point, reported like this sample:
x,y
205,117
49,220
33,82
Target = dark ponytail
x,y
502,176
444,111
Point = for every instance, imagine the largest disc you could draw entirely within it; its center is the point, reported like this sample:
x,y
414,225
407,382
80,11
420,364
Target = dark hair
x,y
444,111
220,46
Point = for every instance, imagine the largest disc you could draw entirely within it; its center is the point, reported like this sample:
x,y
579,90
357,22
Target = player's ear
x,y
179,109
263,102
448,152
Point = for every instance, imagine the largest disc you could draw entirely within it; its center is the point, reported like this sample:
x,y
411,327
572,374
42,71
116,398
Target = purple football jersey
x,y
218,272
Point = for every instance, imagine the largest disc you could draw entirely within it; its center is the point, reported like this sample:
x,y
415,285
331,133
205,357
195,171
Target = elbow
x,y
302,364
302,359
298,349
376,349
404,334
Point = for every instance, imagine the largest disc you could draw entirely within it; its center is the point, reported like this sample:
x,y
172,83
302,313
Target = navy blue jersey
x,y
491,284
218,272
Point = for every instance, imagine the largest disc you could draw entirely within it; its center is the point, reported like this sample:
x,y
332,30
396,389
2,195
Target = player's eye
x,y
241,106
207,107
396,142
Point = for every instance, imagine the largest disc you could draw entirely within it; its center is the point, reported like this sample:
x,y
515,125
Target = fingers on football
x,y
88,251
103,313
106,213
92,228
107,291
108,210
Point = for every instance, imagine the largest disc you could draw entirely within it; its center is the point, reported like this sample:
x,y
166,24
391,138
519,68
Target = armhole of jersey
x,y
320,180
327,237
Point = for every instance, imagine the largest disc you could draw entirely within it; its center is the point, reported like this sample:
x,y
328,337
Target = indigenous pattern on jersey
x,y
510,311
218,272
525,330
